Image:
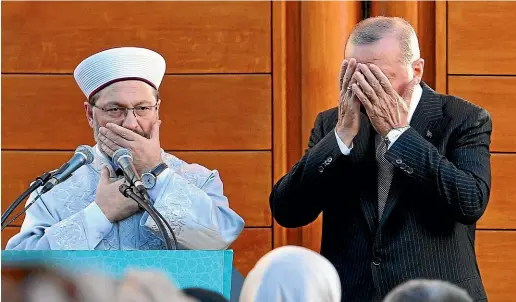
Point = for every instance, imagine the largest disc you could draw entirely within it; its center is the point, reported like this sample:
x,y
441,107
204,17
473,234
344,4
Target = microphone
x,y
124,159
83,156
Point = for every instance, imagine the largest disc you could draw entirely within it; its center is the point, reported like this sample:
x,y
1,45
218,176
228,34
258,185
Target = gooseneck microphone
x,y
83,156
124,159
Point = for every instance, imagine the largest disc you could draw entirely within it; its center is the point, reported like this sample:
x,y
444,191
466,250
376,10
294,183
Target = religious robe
x,y
189,196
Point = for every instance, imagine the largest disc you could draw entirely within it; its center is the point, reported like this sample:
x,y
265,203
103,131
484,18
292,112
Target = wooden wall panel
x,y
481,39
497,260
194,37
246,177
247,181
252,244
421,15
7,233
499,99
501,212
327,23
224,112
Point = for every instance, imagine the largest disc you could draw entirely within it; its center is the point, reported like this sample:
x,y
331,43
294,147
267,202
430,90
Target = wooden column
x,y
421,15
325,27
286,78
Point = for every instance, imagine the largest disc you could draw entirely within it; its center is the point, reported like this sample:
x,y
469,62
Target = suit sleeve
x,y
462,180
296,198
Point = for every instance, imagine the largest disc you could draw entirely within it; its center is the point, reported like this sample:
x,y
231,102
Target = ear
x,y
418,67
89,113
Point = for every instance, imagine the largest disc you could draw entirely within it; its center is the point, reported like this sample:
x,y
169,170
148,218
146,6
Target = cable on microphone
x,y
127,191
40,180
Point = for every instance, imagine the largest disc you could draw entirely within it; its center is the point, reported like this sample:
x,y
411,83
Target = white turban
x,y
119,64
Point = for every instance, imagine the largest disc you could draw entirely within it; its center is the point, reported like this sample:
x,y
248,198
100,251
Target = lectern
x,y
207,269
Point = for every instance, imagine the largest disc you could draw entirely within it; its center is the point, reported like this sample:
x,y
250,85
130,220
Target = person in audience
x,y
292,274
204,295
88,212
427,291
401,173
44,283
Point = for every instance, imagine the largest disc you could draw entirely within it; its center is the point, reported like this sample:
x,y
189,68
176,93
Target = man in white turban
x,y
88,212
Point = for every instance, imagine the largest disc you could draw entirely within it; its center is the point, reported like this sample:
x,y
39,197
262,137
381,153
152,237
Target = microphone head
x,y
87,151
121,153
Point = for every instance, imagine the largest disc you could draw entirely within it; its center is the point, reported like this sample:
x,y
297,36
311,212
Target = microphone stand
x,y
128,192
40,180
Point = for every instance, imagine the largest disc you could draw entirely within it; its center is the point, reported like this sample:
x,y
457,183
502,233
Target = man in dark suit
x,y
400,172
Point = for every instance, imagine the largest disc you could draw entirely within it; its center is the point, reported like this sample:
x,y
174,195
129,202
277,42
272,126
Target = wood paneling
x,y
497,260
421,15
481,39
441,60
287,100
501,212
194,37
247,181
7,233
246,177
224,112
495,94
250,246
329,24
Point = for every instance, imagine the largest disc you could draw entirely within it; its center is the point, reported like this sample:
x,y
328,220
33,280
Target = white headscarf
x,y
292,274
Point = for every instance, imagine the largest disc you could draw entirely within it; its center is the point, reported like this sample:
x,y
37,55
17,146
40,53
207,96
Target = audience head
x,y
292,273
204,295
427,291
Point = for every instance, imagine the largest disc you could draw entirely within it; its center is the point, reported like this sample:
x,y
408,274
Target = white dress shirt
x,y
416,97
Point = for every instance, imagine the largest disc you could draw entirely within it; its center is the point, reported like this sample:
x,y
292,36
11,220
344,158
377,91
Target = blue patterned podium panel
x,y
206,269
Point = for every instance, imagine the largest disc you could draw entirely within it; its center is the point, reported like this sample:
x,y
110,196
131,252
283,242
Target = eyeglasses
x,y
119,112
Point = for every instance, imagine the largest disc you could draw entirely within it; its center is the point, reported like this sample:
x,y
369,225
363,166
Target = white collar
x,y
416,97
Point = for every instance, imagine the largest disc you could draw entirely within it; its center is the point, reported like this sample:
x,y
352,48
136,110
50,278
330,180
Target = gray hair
x,y
427,291
371,30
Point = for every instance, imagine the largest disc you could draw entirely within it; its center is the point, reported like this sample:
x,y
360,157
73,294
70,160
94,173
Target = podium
x,y
187,268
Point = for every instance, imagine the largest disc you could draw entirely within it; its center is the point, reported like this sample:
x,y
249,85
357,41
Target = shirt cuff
x,y
97,224
343,148
161,183
394,134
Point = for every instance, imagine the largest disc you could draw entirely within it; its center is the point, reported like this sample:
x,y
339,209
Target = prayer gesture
x,y
146,151
386,109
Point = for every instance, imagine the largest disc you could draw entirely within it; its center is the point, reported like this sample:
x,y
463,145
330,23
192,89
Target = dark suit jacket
x,y
440,189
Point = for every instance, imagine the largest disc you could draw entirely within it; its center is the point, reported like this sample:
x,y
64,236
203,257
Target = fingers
x,y
362,98
107,150
155,130
114,143
382,78
114,137
372,80
350,70
343,68
104,175
365,88
122,132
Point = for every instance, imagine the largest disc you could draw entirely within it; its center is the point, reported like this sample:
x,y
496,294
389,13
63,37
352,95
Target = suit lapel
x,y
428,122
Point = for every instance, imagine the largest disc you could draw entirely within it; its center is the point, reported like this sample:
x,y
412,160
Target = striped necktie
x,y
385,174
